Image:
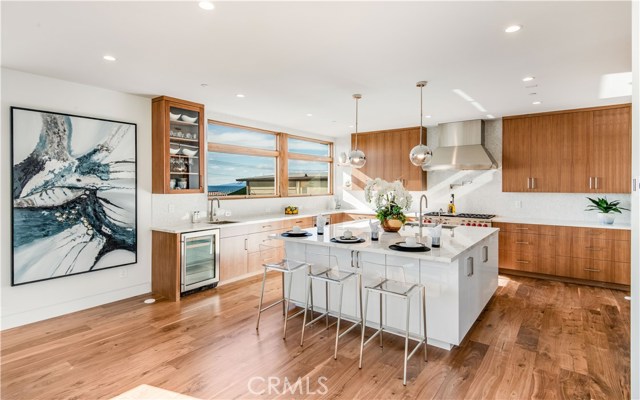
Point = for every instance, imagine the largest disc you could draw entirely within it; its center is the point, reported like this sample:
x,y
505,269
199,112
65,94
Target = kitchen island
x,y
460,276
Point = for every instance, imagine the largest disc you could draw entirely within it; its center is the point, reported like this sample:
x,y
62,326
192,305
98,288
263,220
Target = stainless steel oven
x,y
200,259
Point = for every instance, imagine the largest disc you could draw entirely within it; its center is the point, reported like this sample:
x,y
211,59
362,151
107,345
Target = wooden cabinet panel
x,y
580,134
550,150
516,155
574,151
304,222
387,155
165,265
610,162
586,247
233,257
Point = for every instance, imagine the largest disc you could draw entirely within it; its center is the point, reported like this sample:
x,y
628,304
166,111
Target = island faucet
x,y
211,207
426,205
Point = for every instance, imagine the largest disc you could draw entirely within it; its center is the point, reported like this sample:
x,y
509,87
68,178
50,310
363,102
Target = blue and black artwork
x,y
74,194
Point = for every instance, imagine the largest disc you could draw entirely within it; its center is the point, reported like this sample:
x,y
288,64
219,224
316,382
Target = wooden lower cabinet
x,y
233,257
589,254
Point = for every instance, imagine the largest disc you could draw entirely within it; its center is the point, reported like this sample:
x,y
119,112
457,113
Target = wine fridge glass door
x,y
200,258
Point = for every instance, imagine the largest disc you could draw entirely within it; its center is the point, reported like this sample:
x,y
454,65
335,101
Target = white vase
x,y
606,218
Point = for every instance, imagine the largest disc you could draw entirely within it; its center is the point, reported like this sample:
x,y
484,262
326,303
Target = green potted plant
x,y
606,209
391,201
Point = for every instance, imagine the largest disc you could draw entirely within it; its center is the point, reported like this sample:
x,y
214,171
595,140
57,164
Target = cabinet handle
x,y
592,269
470,266
266,226
596,182
485,253
590,184
528,183
594,233
246,244
522,229
299,222
533,183
522,261
522,242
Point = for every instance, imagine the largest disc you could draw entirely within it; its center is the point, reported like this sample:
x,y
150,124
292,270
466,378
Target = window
x,y
245,162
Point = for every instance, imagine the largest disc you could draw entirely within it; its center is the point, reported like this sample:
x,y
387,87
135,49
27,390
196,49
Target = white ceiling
x,y
294,58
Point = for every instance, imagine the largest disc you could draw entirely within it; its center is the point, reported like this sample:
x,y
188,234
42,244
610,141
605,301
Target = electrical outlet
x,y
171,208
518,204
123,273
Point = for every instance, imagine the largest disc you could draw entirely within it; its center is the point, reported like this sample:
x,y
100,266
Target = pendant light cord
x,y
357,98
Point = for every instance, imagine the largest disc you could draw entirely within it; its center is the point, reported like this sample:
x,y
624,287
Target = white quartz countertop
x,y
450,248
559,222
185,227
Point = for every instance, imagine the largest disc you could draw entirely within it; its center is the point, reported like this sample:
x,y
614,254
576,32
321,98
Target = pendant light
x,y
357,158
421,154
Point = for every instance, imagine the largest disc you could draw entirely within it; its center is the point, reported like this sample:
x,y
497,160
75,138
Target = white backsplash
x,y
484,193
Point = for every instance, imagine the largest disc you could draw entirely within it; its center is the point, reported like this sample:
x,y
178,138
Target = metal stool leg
x,y
406,342
286,305
424,319
335,352
326,293
264,278
306,305
366,304
381,319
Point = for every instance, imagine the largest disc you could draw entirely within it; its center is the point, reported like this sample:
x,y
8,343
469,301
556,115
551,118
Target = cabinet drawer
x,y
622,250
596,249
229,231
594,270
267,226
359,217
304,222
529,262
256,260
254,241
595,233
516,228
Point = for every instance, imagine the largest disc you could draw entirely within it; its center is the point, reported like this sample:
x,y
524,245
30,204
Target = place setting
x,y
296,232
410,244
347,237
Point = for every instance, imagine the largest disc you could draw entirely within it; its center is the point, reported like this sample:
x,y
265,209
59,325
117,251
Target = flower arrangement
x,y
390,199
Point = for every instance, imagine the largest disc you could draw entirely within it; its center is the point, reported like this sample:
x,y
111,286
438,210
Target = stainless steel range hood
x,y
461,147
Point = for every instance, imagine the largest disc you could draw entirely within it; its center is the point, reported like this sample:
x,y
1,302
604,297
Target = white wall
x,y
484,194
42,300
176,208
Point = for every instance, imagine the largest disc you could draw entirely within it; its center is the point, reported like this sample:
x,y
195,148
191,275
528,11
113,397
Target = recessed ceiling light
x,y
462,94
109,58
528,78
240,95
478,106
536,102
206,5
204,84
531,86
309,115
513,28
427,116
490,116
533,94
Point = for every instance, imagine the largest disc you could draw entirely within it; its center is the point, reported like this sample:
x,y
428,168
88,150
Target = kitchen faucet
x,y
211,207
426,205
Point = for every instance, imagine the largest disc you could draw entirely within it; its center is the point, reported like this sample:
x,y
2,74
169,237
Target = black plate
x,y
336,240
422,248
299,234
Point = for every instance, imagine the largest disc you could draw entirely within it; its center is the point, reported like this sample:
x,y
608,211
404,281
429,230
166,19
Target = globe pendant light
x,y
357,158
421,154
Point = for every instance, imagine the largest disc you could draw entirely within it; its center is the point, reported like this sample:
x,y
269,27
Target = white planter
x,y
606,219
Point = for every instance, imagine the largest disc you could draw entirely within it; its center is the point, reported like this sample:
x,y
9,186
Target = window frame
x,y
281,155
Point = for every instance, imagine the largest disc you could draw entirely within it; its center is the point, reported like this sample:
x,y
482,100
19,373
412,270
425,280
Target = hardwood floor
x,y
535,339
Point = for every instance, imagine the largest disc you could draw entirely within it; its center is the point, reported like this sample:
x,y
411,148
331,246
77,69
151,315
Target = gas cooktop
x,y
461,215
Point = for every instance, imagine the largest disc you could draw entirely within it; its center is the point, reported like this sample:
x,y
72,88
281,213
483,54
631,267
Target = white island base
x,y
460,277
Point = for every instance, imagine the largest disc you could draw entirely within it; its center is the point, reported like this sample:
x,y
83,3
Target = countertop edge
x,y
572,223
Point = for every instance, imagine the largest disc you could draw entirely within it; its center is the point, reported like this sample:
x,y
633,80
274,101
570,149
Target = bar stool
x,y
404,290
287,267
331,274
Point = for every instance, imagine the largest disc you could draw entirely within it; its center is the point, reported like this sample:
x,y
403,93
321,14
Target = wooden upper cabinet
x,y
177,143
577,151
387,154
516,142
610,150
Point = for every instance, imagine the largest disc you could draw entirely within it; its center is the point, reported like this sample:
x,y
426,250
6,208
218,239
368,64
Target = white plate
x,y
344,239
404,244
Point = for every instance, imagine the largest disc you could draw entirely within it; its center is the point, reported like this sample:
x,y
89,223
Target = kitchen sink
x,y
222,222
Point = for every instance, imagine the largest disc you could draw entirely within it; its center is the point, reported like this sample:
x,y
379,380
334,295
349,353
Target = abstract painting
x,y
74,194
